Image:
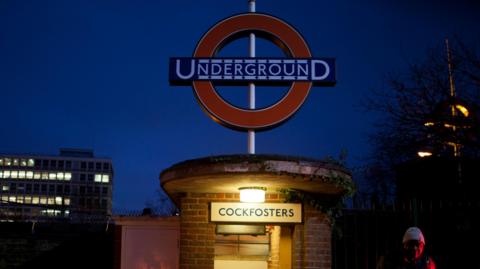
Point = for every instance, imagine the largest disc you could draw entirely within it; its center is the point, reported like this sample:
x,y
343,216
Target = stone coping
x,y
227,173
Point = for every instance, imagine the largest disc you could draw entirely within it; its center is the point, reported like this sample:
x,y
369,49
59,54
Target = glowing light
x,y
462,109
423,154
252,194
429,124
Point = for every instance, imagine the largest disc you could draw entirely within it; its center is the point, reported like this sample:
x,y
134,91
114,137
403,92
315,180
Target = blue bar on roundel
x,y
317,70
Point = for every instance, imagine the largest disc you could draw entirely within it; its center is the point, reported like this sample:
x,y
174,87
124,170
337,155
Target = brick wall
x,y
312,241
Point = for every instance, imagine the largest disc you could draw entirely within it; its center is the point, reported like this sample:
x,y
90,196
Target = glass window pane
x,y
60,176
44,175
35,200
58,200
31,162
105,178
51,200
14,174
21,174
98,178
6,174
28,199
52,176
29,174
23,162
15,162
68,176
1,162
37,175
66,201
8,161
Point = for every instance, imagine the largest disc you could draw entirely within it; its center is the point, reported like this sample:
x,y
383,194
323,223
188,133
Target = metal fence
x,y
366,234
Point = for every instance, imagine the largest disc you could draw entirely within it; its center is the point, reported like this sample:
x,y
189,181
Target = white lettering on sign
x,y
191,69
256,212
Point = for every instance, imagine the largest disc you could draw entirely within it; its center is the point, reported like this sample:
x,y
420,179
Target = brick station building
x,y
195,184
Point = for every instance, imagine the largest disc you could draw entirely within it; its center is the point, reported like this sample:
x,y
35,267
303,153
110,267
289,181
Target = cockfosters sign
x,y
256,212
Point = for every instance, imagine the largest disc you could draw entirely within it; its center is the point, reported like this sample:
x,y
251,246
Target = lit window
x,y
1,162
8,161
105,178
21,174
28,199
60,176
447,125
23,162
35,200
98,178
15,162
67,212
51,200
68,176
5,188
31,162
20,199
12,199
66,201
37,175
43,200
29,174
423,154
52,176
50,212
6,174
44,175
1,173
14,174
4,198
58,200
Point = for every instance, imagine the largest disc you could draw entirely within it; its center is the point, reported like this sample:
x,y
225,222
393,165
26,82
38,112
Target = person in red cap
x,y
413,255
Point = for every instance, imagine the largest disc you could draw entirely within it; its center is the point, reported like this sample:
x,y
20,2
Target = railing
x,y
366,234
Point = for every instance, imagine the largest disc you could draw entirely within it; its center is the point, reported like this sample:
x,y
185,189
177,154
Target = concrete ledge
x,y
225,174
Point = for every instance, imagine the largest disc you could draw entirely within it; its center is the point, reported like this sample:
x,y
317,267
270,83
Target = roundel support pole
x,y
251,85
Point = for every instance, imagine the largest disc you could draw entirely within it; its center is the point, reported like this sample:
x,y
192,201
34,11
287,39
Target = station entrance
x,y
217,230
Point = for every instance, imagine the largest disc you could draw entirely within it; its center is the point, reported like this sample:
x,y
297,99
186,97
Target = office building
x,y
75,185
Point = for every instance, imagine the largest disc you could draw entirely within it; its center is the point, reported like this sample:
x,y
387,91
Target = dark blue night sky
x,y
94,74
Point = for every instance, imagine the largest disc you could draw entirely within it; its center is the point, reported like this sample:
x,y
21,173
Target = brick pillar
x,y
312,241
274,260
197,235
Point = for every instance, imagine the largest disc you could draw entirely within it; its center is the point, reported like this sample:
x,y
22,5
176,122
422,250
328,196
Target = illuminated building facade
x,y
74,185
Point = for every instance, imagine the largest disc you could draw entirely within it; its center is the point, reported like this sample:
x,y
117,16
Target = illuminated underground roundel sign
x,y
299,69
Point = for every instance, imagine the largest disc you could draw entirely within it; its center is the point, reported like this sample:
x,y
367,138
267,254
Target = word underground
x,y
256,212
193,69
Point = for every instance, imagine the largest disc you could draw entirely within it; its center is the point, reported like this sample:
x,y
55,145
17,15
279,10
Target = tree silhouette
x,y
420,114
